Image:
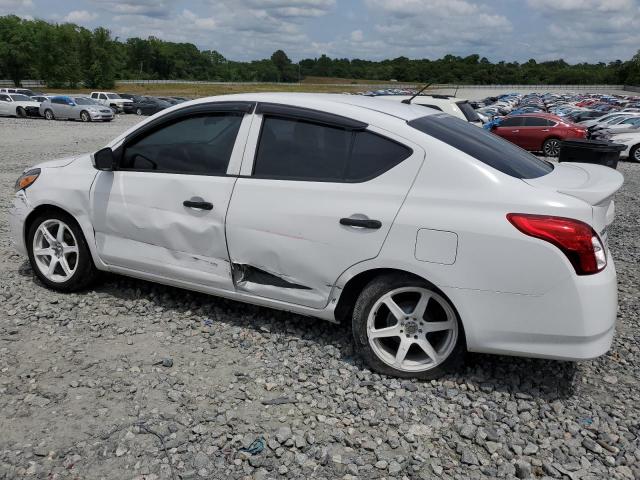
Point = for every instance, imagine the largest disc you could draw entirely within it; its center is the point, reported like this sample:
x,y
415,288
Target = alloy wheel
x,y
139,111
48,115
636,154
55,250
84,116
552,148
412,329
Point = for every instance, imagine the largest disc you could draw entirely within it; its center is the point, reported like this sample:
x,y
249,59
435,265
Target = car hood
x,y
57,163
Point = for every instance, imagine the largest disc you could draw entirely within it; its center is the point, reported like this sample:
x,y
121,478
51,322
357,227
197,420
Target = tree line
x,y
68,55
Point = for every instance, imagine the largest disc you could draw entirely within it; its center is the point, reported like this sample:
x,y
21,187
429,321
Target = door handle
x,y
361,222
515,131
545,130
200,205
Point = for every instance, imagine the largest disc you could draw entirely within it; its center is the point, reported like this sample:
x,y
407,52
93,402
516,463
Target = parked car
x,y
40,98
18,105
632,141
110,99
458,107
170,100
539,132
21,91
582,116
149,106
131,107
605,119
75,108
429,234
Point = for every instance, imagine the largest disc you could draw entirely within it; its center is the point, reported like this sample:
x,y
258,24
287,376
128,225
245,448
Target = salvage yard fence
x,y
369,86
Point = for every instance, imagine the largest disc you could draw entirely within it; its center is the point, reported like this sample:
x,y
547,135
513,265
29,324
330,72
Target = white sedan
x,y
632,142
430,235
18,105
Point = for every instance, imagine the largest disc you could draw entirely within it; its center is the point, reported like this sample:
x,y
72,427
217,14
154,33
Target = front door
x,y
316,200
5,105
162,211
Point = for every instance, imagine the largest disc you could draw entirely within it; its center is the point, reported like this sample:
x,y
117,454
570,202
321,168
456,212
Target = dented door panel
x,y
291,229
141,223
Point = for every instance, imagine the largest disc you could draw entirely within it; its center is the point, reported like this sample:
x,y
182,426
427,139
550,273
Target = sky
x,y
575,30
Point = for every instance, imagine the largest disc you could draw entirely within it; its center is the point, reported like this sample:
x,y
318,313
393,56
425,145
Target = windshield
x,y
483,146
113,95
20,98
85,101
469,112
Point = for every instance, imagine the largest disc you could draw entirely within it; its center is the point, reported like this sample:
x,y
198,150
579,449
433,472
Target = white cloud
x,y
80,16
357,36
150,8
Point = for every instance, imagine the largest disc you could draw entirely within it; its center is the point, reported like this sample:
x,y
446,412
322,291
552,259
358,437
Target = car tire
x,y
138,111
634,153
48,114
407,335
84,116
55,236
551,147
21,112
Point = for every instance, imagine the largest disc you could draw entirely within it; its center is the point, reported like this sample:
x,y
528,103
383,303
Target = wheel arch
x,y
88,233
356,283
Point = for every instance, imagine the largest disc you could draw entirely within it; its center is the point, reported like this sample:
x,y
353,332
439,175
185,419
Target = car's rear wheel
x,y
634,153
551,147
404,327
21,112
85,117
58,252
138,111
48,114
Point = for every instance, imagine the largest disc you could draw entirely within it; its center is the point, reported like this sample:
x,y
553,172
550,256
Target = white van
x,y
458,107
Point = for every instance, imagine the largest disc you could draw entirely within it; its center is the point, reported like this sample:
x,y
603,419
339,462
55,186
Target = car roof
x,y
328,102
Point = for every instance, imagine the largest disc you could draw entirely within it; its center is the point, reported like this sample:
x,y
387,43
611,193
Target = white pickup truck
x,y
112,100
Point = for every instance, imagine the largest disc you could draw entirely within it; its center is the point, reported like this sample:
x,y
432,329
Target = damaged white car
x,y
430,235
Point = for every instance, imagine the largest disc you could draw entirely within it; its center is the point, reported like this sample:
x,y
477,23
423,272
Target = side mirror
x,y
104,159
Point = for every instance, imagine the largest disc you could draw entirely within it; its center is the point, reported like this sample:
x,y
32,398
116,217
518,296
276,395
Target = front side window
x,y
20,98
4,98
59,100
113,95
297,149
482,145
199,145
103,96
512,122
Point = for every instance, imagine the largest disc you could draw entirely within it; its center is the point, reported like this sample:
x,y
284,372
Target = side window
x,y
535,122
372,155
94,95
58,100
302,150
550,123
4,98
512,122
103,96
195,145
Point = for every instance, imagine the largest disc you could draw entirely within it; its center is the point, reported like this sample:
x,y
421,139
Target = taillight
x,y
577,240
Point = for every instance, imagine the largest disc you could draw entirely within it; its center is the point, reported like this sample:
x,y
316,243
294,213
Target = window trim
x,y
410,150
235,108
308,114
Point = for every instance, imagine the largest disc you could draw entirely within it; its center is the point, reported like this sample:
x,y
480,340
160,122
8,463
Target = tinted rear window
x,y
482,145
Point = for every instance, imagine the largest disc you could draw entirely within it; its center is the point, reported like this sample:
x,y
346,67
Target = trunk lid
x,y
594,184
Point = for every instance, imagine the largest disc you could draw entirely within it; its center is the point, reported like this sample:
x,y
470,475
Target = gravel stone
x,y
82,394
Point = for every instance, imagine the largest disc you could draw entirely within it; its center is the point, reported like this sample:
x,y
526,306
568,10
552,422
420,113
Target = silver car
x,y
75,108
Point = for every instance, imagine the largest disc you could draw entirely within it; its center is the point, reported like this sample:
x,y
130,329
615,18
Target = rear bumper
x,y
572,321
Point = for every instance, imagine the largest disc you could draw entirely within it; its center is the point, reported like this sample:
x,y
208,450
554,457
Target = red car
x,y
539,132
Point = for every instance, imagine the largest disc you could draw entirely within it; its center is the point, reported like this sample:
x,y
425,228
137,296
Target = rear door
x,y
317,195
162,211
5,104
533,133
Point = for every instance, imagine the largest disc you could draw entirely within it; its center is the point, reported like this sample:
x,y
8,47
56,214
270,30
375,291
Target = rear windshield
x,y
482,145
469,112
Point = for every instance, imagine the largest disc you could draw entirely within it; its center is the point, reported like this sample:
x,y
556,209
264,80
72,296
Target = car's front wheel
x,y
21,112
85,117
551,147
634,153
48,114
58,252
138,111
404,327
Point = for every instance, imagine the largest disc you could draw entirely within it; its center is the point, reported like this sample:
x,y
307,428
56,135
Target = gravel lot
x,y
84,392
